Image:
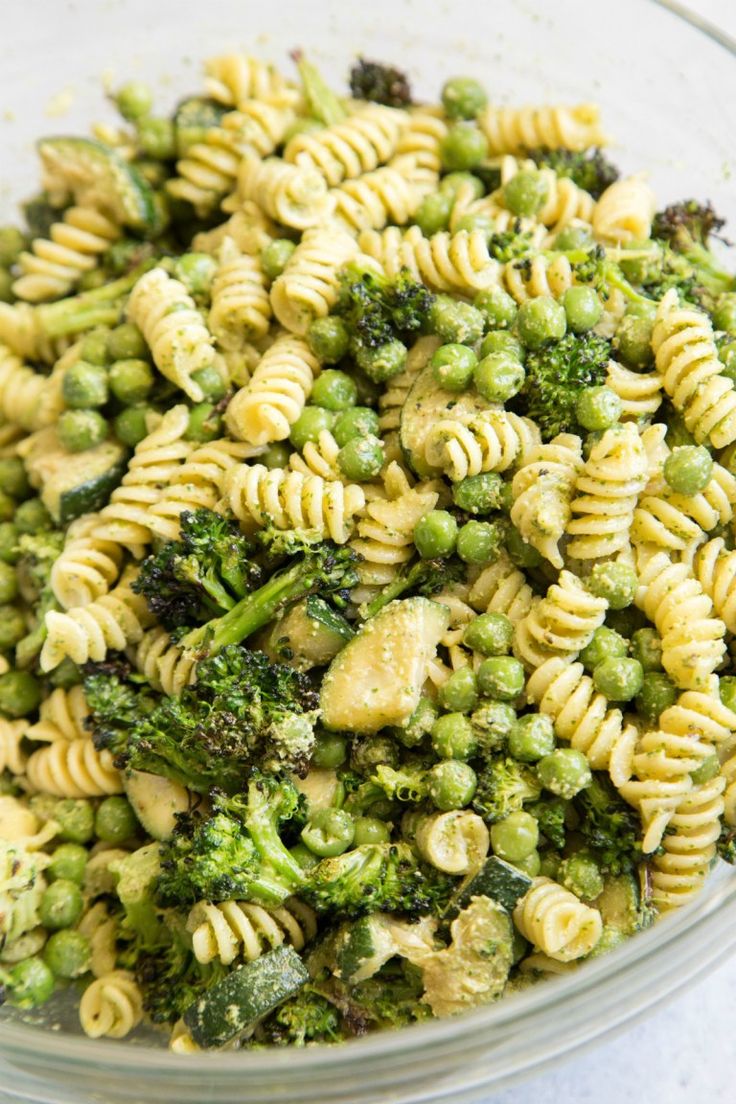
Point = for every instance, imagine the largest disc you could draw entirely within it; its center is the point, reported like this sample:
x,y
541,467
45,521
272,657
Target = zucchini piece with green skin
x,y
76,483
98,177
156,801
426,404
364,946
193,117
240,1000
620,905
377,678
309,634
496,879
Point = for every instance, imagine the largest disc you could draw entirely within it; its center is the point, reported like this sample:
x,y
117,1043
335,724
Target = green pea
x,y
499,377
275,256
479,494
474,221
82,429
605,644
276,455
463,98
372,752
581,874
9,550
126,342
433,213
361,458
214,383
93,348
633,341
455,321
308,426
330,751
130,426
196,271
329,340
370,830
68,862
7,507
598,408
306,858
66,675
724,315
564,772
476,542
727,691
530,865
453,366
115,821
85,385
583,308
501,341
549,865
156,138
727,357
435,534
29,983
625,621
20,693
658,692
68,954
6,286
515,837
32,517
12,244
13,478
541,320
618,678
61,905
205,423
498,309
12,627
460,693
572,239
134,100
334,390
646,646
463,147
358,421
615,582
419,724
525,193
131,380
493,721
329,832
76,819
500,677
453,737
8,583
452,784
382,362
532,737
453,182
490,634
688,469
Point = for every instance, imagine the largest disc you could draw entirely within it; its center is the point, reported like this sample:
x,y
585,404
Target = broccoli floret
x,y
392,998
686,229
503,786
136,877
244,711
609,826
510,245
550,815
686,223
425,577
556,375
171,979
305,1018
38,551
322,102
384,84
589,169
376,876
236,850
376,308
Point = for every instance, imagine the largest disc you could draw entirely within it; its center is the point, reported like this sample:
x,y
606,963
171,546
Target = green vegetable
x,y
453,366
80,430
463,98
20,693
463,147
498,377
657,693
460,693
618,678
501,677
496,879
605,644
67,954
376,877
384,84
435,534
564,772
541,320
479,494
515,837
583,308
558,372
81,484
334,390
453,737
361,458
525,193
688,469
531,737
616,582
503,786
598,408
328,832
275,256
85,385
61,905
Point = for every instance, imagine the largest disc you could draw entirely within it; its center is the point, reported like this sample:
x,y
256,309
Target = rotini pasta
x,y
62,716
240,309
542,490
516,129
681,522
560,624
87,566
293,194
166,666
73,768
535,276
274,397
27,398
385,533
640,392
556,922
370,202
308,286
445,262
715,569
624,212
366,139
502,588
13,758
54,266
233,79
102,930
491,441
689,847
564,200
235,929
420,141
318,457
111,1005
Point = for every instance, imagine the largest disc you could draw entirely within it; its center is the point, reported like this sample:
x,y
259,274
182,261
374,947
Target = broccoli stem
x,y
419,574
100,307
322,101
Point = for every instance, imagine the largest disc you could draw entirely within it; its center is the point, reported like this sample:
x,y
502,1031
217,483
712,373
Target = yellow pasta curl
x,y
276,394
27,398
555,921
308,287
560,624
293,194
445,262
714,566
515,129
87,566
12,755
502,588
54,266
73,768
241,309
385,533
680,522
542,490
234,929
111,1006
61,716
640,392
689,847
234,79
165,665
366,139
494,440
535,276
624,212
386,195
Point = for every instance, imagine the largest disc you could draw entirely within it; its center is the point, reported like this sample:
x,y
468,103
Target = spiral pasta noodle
x,y
455,842
290,500
556,922
23,332
12,755
445,262
235,929
27,398
295,195
233,79
166,666
689,847
535,276
607,488
502,588
687,360
308,287
73,768
54,266
420,141
491,441
582,717
560,624
385,533
126,520
640,392
62,716
542,491
715,569
516,129
564,200
370,202
366,139
111,1006
692,638
274,397
89,632
180,342
241,309
318,457
248,227
679,522
624,212
87,566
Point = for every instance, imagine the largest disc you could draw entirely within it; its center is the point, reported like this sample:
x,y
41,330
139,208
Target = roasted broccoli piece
x,y
392,998
375,308
589,169
305,1018
684,224
550,815
322,102
609,826
37,554
236,850
376,876
503,786
686,229
510,245
171,978
384,84
556,375
243,711
425,577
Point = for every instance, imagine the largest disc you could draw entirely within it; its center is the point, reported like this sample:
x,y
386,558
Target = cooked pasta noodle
x,y
233,79
13,758
61,716
234,929
445,262
27,398
274,397
240,309
556,922
560,624
371,201
166,666
689,847
54,266
680,522
543,488
366,139
491,441
516,129
625,211
87,567
535,276
293,194
502,588
73,768
111,1005
308,286
385,533
640,392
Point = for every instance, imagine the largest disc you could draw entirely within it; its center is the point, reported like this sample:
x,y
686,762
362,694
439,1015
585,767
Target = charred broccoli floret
x,y
589,169
503,786
305,1018
556,375
688,263
425,577
375,308
383,84
609,826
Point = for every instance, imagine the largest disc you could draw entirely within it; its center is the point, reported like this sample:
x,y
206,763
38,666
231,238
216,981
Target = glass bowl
x,y
667,87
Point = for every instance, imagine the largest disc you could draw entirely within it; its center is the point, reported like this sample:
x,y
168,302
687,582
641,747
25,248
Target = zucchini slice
x,y
192,119
310,634
96,176
236,1004
156,801
74,483
496,879
377,678
426,404
619,903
